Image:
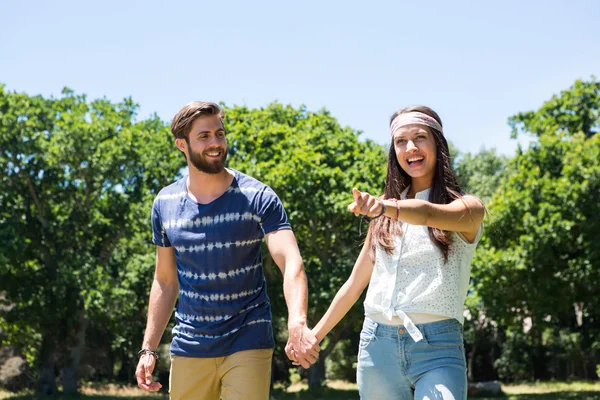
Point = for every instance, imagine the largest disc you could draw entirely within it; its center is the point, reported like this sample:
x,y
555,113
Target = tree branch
x,y
38,205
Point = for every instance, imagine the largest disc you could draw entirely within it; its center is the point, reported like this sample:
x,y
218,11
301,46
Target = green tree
x,y
539,260
480,174
77,182
575,110
312,163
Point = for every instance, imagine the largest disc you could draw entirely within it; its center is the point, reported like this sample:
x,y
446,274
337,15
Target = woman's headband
x,y
414,117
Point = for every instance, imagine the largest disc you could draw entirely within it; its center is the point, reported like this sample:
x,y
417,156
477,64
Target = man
x,y
208,228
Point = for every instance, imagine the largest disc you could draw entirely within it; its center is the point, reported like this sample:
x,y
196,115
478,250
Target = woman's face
x,y
416,152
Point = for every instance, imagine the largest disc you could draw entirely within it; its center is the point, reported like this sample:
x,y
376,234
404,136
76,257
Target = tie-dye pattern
x,y
223,304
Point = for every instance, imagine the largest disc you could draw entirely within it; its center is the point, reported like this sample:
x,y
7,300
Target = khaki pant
x,y
242,375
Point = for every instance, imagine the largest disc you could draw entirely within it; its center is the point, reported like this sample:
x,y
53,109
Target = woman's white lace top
x,y
415,279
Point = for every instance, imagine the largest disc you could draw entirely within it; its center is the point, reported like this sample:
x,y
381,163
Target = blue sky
x,y
475,63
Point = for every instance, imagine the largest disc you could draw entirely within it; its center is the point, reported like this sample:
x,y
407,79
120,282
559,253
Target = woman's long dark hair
x,y
444,190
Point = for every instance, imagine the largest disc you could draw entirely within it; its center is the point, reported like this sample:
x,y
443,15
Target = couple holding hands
x,y
209,226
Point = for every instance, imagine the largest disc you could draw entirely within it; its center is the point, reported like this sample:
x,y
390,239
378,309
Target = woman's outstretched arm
x,y
463,215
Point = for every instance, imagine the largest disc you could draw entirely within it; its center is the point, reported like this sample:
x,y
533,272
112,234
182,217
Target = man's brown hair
x,y
183,120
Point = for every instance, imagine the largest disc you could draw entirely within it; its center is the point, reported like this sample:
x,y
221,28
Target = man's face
x,y
206,145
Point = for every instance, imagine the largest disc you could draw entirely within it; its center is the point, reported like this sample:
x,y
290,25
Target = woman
x,y
416,260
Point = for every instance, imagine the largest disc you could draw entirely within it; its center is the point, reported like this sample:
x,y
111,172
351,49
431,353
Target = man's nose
x,y
214,139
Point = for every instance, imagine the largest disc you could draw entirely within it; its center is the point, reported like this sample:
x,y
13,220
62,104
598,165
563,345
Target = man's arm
x,y
284,250
163,295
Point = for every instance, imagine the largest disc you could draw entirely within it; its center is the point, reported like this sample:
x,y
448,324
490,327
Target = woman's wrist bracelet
x,y
397,208
383,208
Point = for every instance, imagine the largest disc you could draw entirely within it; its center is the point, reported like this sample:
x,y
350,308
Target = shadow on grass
x,y
86,396
341,394
568,395
560,395
329,394
276,394
316,394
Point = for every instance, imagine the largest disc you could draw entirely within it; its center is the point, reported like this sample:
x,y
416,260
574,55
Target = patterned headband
x,y
414,117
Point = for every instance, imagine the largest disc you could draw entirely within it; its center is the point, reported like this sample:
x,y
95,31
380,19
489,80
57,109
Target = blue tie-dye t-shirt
x,y
223,305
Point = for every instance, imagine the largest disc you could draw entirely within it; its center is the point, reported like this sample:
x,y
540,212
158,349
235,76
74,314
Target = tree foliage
x,y
77,178
481,173
539,260
312,163
575,110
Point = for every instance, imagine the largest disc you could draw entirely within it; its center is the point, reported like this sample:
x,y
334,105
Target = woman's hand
x,y
293,354
365,204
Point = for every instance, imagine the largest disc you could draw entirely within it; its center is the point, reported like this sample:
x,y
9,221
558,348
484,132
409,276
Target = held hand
x,y
143,373
365,204
302,347
292,353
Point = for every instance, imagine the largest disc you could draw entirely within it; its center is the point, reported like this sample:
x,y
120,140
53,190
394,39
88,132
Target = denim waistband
x,y
396,331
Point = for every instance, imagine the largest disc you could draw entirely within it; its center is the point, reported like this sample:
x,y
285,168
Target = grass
x,y
553,390
338,390
103,392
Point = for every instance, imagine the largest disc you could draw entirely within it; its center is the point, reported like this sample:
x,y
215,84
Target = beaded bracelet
x,y
148,351
397,209
382,209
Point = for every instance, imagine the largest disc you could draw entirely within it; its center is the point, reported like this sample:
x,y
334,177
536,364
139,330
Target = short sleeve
x,y
159,236
272,214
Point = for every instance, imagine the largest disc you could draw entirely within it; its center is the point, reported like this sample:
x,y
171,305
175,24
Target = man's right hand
x,y
143,373
302,347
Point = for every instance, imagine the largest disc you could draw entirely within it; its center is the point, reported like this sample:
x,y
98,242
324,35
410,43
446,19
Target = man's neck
x,y
205,188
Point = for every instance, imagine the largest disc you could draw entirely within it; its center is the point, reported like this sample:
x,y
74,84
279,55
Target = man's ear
x,y
181,144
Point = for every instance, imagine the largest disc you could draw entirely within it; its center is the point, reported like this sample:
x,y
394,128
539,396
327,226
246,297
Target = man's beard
x,y
209,167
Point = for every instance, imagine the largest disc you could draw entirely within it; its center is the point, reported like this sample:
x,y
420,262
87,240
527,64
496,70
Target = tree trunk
x,y
47,363
47,356
68,376
578,307
471,359
316,374
69,372
540,368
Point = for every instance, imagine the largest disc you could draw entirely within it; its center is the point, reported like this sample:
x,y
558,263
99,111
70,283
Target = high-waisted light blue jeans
x,y
391,365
